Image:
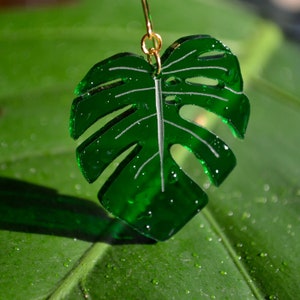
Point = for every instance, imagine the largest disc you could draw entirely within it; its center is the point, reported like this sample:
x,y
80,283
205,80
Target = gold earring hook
x,y
152,36
147,17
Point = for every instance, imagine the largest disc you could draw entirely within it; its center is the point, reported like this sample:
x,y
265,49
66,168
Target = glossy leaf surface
x,y
149,190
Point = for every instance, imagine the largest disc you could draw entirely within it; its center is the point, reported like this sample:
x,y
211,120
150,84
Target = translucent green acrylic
x,y
148,190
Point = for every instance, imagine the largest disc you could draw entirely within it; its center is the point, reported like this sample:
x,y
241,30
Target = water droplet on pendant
x,y
173,177
146,215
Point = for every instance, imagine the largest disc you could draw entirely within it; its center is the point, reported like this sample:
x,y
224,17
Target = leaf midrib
x,y
80,271
231,251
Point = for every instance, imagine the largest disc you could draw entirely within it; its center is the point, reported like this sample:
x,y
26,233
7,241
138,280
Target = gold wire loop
x,y
151,36
157,42
158,62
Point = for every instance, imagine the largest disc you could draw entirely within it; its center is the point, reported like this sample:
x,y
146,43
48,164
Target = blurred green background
x,y
55,240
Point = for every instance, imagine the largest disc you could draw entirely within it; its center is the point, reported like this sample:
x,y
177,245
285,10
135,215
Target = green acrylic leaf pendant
x,y
148,190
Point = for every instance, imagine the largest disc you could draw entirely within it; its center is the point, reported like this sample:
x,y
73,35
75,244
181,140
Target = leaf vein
x,y
133,124
160,129
144,164
197,94
216,154
233,91
128,68
178,60
134,91
196,68
232,253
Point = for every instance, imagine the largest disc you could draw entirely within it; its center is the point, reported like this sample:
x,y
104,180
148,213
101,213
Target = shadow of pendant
x,y
26,207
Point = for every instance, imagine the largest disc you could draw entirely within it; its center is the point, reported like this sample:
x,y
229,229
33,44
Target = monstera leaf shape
x,y
148,190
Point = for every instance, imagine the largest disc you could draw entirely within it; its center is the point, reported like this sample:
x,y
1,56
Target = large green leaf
x,y
244,245
149,190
